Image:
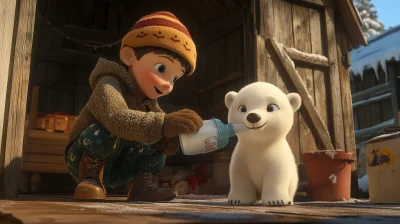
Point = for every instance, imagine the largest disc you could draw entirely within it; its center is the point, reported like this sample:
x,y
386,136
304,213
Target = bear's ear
x,y
229,97
294,100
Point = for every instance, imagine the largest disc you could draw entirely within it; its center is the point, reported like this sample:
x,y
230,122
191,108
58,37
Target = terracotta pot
x,y
328,175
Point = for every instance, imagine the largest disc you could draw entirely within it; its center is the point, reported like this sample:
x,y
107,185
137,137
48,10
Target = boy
x,y
122,134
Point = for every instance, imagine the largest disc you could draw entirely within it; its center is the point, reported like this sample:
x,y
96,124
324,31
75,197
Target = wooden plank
x,y
283,32
371,92
393,72
6,50
44,168
302,33
249,44
222,81
265,28
44,149
347,110
38,134
336,101
320,78
296,80
227,22
372,100
47,159
89,36
17,98
374,130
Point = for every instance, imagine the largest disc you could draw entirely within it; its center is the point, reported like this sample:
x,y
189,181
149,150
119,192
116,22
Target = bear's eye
x,y
272,107
242,108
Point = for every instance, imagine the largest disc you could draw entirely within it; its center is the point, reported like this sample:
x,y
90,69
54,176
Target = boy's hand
x,y
168,146
181,122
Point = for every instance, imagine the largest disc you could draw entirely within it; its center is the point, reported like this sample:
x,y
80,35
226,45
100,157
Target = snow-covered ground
x,y
380,49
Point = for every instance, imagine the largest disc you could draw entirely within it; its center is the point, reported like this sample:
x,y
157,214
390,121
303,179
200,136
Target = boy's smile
x,y
156,73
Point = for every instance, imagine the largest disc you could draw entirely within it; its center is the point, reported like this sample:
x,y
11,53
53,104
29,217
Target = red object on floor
x,y
194,181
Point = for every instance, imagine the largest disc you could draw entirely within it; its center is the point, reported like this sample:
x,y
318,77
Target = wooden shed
x,y
374,74
56,44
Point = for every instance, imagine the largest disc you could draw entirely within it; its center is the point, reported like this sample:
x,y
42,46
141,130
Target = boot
x,y
90,175
142,189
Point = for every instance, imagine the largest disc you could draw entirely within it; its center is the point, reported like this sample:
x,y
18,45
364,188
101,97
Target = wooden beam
x,y
371,92
44,168
318,3
223,80
334,78
17,99
352,23
7,28
316,121
374,130
373,100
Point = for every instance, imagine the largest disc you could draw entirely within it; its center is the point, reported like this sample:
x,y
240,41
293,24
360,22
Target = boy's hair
x,y
140,51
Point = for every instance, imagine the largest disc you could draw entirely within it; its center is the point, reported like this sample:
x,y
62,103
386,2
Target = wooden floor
x,y
190,209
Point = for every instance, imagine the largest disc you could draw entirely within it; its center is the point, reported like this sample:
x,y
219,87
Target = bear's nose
x,y
253,118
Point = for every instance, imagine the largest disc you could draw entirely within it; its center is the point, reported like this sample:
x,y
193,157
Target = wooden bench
x,y
43,151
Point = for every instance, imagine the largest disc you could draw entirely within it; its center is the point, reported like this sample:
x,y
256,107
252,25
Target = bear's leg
x,y
242,190
275,190
293,185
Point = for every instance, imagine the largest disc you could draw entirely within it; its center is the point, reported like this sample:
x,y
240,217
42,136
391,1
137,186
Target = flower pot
x,y
328,175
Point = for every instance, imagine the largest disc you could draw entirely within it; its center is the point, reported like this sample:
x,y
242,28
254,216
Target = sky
x,y
388,12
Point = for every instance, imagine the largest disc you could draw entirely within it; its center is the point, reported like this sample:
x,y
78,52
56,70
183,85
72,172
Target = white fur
x,y
263,165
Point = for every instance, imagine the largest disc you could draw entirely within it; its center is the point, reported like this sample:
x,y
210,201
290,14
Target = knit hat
x,y
163,29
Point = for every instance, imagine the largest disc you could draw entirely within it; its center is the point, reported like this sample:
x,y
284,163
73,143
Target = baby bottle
x,y
212,136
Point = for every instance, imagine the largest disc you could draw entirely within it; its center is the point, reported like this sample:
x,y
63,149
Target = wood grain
x,y
17,98
301,27
336,100
284,34
348,123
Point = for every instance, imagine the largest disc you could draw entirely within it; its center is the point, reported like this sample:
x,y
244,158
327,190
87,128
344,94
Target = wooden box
x,y
56,122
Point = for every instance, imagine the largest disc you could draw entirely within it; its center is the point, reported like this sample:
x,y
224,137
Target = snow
x,y
363,183
380,49
372,99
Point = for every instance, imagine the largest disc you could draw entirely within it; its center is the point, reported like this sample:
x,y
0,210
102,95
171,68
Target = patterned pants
x,y
124,158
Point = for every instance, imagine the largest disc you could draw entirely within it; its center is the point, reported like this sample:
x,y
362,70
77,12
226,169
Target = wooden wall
x,y
375,101
310,29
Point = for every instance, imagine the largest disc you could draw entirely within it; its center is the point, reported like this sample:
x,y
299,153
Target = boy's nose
x,y
166,85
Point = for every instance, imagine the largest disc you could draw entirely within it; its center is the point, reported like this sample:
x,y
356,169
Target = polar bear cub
x,y
262,165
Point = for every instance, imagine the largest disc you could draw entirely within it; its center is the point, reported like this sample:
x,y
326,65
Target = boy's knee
x,y
98,141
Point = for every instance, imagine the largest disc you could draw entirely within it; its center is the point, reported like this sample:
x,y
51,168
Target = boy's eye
x,y
174,79
160,68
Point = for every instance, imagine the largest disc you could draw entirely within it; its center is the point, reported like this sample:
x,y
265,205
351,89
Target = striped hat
x,y
163,29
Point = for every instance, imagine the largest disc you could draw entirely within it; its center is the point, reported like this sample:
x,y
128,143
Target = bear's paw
x,y
277,202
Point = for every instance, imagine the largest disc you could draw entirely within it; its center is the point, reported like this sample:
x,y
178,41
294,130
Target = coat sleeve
x,y
109,107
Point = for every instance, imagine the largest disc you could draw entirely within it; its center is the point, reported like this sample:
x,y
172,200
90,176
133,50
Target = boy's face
x,y
156,73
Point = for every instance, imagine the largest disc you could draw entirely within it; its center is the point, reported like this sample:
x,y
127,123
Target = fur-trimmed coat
x,y
120,106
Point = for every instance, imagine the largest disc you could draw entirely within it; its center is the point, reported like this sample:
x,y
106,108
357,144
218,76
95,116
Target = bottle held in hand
x,y
213,135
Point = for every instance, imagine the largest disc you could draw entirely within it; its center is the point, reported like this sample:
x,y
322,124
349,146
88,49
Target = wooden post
x,y
14,112
392,72
6,42
335,90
